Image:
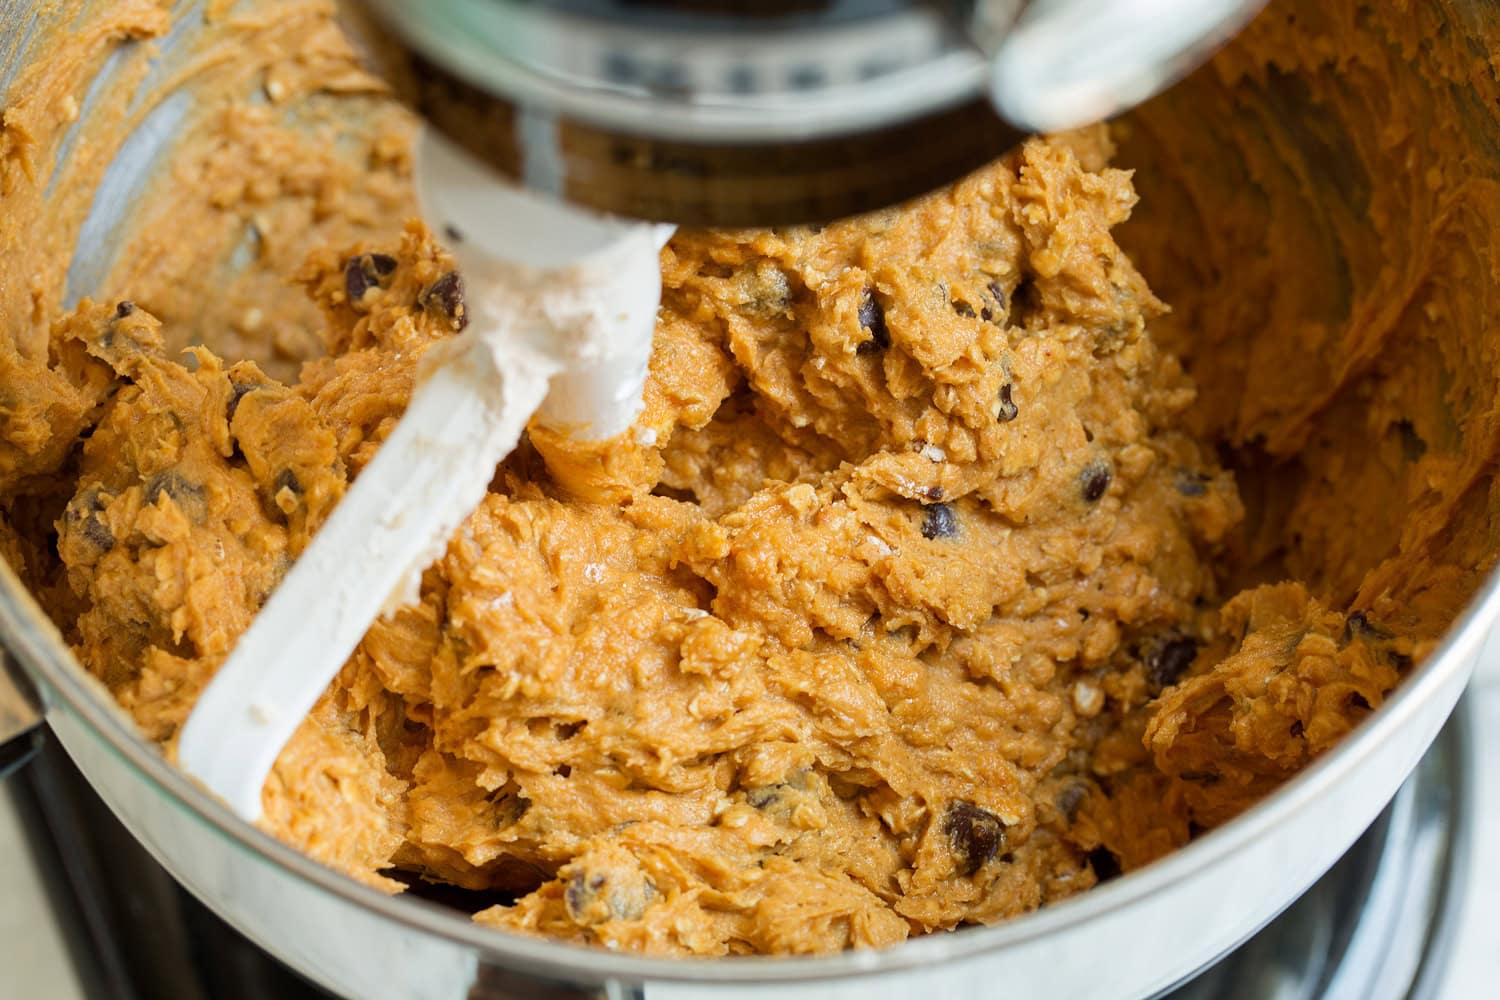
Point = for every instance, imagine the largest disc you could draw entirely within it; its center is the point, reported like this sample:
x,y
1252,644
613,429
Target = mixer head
x,y
769,112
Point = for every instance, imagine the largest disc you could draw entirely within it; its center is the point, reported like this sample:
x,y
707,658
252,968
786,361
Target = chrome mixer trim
x,y
765,120
708,79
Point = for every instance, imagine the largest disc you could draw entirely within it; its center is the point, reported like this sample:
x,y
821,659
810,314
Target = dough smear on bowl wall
x,y
947,571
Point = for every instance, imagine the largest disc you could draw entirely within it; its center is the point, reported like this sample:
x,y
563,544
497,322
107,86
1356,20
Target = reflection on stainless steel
x,y
20,715
1379,925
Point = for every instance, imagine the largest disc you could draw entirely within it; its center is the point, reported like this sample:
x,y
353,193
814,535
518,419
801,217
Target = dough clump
x,y
898,610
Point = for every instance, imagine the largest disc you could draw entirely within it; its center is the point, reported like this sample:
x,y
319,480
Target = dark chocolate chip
x,y
992,314
286,479
83,515
1093,481
783,794
964,309
365,271
1070,799
173,485
1359,626
1412,445
764,796
939,521
976,835
97,533
933,492
356,283
1008,408
591,898
237,392
1106,866
1190,483
1169,659
872,319
445,297
581,892
189,497
124,309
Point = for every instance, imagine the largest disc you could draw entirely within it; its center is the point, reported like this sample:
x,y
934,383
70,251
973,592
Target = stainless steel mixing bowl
x,y
1130,938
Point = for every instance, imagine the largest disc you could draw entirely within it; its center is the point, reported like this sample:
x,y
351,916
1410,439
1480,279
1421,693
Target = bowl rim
x,y
36,641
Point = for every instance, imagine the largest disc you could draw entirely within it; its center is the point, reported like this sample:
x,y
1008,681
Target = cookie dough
x,y
919,596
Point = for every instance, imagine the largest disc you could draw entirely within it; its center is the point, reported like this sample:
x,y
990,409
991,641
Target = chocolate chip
x,y
1106,866
83,515
356,282
581,892
594,898
1190,483
454,234
1412,445
445,298
976,835
992,314
768,290
173,485
1169,659
124,309
1070,799
764,796
1093,481
1008,408
97,533
933,493
872,318
964,309
1359,626
366,271
237,392
286,479
939,521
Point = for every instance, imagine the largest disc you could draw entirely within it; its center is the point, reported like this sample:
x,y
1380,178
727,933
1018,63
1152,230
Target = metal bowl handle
x,y
21,716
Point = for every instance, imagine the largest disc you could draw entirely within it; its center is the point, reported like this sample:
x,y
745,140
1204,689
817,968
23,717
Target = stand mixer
x,y
565,141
